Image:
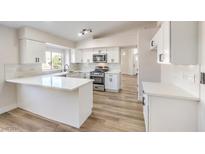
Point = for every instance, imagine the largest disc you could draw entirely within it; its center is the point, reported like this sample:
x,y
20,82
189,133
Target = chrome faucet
x,y
68,67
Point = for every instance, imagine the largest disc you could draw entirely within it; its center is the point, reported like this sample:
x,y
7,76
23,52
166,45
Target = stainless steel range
x,y
98,75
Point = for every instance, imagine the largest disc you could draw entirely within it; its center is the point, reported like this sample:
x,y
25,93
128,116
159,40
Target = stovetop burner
x,y
101,68
99,71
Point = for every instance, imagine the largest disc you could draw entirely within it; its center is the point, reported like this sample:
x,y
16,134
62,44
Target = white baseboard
x,y
7,108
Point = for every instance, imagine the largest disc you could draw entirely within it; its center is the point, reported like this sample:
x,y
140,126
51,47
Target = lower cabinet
x,y
112,82
167,114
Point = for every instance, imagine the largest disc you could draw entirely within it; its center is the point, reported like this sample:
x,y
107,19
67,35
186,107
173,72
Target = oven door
x,y
97,80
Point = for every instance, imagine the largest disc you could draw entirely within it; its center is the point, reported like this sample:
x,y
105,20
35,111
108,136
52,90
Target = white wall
x,y
8,54
201,106
33,34
126,38
149,70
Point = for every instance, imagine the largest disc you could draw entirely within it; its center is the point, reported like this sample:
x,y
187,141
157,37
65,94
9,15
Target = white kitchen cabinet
x,y
112,82
76,56
167,108
177,43
31,51
163,49
113,55
99,51
154,41
87,55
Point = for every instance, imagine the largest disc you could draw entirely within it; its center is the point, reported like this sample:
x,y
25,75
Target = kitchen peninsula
x,y
63,99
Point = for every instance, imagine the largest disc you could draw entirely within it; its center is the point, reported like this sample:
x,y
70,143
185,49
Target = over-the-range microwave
x,y
100,58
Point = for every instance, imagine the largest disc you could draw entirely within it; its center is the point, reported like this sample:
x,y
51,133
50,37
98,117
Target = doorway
x,y
129,61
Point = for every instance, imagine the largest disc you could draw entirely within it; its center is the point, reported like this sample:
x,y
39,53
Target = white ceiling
x,y
70,29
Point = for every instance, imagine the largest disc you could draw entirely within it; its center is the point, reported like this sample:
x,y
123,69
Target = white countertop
x,y
50,81
113,72
167,90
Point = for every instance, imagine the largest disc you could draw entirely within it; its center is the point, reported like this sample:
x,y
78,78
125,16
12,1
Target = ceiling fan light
x,y
84,32
80,34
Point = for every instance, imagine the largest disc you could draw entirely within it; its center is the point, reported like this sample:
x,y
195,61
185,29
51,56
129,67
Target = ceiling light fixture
x,y
85,32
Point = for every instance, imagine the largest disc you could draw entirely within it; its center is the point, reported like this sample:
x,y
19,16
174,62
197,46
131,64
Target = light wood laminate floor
x,y
111,112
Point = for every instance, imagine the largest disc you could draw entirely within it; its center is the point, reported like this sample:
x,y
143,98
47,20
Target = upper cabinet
x,y
113,55
87,56
99,51
76,56
31,51
177,43
154,41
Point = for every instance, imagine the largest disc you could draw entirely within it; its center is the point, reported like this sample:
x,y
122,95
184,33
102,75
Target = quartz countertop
x,y
167,90
51,81
113,72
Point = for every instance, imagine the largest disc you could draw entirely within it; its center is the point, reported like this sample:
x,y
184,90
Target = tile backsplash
x,y
184,76
21,70
92,66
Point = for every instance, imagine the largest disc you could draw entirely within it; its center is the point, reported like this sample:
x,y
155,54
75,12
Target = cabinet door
x,y
116,81
79,57
31,51
113,55
76,56
153,43
107,81
163,43
99,51
112,82
87,56
160,53
166,41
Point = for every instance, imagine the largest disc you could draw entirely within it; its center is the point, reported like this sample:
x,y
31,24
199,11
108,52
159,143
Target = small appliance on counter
x,y
98,75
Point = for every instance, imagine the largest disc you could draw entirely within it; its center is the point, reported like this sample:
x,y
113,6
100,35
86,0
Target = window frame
x,y
54,50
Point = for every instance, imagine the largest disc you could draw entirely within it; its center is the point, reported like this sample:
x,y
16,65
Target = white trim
x,y
7,108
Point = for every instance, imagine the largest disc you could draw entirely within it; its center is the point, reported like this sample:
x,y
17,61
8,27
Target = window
x,y
56,60
53,60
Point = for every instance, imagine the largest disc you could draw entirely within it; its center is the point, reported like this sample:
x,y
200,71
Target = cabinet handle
x,y
152,43
161,57
143,99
